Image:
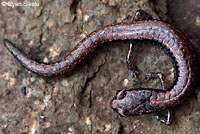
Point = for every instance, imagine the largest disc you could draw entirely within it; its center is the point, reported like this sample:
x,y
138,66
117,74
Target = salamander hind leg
x,y
130,63
139,15
142,15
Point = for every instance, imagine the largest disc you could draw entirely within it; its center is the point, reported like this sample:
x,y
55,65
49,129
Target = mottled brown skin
x,y
133,101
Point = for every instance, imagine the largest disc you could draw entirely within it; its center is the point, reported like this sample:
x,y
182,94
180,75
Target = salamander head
x,y
131,102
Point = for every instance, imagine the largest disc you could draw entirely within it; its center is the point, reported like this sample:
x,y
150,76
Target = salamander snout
x,y
131,102
117,104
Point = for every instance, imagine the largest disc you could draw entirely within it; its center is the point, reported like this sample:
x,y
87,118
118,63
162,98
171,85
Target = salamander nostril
x,y
114,104
126,112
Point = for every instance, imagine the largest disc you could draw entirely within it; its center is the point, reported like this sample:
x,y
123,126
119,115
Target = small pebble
x,y
23,90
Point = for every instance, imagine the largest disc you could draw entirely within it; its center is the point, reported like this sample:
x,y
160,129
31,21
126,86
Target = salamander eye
x,y
121,94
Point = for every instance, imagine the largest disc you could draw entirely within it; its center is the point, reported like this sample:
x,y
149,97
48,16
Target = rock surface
x,y
79,102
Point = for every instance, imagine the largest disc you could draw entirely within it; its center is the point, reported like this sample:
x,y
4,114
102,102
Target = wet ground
x,y
78,102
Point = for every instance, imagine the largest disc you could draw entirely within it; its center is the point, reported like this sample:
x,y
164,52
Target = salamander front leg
x,y
156,75
130,64
162,118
